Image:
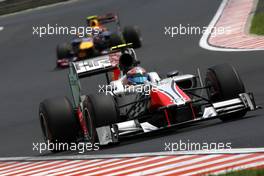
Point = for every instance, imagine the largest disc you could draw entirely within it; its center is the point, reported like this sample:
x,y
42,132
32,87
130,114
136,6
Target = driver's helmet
x,y
94,23
137,75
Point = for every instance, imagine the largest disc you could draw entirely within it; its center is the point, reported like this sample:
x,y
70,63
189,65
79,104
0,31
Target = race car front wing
x,y
112,133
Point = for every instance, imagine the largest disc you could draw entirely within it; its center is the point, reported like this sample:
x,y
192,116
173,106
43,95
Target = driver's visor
x,y
138,79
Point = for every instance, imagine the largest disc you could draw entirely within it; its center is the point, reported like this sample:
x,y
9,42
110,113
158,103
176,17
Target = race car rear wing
x,y
100,64
104,19
89,67
93,66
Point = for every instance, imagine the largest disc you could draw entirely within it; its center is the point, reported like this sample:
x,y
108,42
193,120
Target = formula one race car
x,y
106,34
124,109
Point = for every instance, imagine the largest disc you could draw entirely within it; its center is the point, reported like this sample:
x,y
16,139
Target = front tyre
x,y
99,110
224,83
64,50
115,40
132,35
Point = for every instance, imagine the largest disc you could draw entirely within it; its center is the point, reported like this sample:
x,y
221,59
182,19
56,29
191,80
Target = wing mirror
x,y
173,73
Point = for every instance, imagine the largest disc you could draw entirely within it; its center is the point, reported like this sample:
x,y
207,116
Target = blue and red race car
x,y
107,33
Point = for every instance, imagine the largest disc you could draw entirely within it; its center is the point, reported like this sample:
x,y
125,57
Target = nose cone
x,y
86,45
168,93
160,99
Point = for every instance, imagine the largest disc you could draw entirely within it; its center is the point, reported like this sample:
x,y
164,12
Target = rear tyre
x,y
58,122
132,35
224,83
99,110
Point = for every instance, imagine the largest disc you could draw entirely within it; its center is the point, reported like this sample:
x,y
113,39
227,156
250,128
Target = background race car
x,y
107,33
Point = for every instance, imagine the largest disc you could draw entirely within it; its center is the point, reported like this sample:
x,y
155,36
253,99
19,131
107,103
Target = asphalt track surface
x,y
27,71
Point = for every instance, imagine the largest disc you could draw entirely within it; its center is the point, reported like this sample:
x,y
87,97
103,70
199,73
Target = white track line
x,y
46,171
80,169
78,157
1,28
103,171
169,166
17,165
21,167
5,164
87,166
159,165
247,166
206,35
230,164
184,168
150,165
25,165
35,166
119,167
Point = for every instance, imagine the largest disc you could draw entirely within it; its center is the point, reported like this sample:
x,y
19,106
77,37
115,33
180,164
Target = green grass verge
x,y
251,172
257,24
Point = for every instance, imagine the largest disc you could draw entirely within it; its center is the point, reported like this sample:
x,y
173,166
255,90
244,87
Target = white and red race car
x,y
122,110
